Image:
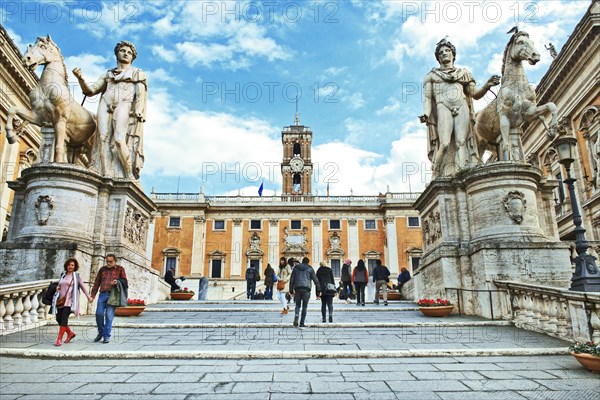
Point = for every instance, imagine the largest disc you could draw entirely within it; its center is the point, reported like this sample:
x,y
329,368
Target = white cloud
x,y
228,150
355,100
17,40
166,54
392,107
160,75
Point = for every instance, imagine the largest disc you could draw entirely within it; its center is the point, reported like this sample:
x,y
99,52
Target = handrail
x,y
17,287
461,290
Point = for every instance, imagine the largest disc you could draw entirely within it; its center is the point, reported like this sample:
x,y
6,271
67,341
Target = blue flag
x,y
260,189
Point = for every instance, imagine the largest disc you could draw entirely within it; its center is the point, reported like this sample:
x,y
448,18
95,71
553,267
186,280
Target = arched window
x,y
297,149
296,179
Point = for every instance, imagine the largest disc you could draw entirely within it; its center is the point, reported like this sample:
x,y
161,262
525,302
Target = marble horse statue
x,y
498,125
52,105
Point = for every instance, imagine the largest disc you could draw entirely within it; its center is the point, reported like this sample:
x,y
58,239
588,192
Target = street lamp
x,y
586,277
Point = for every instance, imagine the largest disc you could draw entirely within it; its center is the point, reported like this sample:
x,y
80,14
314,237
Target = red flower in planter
x,y
136,302
433,303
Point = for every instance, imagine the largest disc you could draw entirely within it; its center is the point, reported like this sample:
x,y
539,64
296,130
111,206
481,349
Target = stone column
x,y
198,245
236,248
392,245
353,247
317,241
273,245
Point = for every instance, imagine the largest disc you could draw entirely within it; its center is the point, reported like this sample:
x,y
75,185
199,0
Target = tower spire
x,y
297,119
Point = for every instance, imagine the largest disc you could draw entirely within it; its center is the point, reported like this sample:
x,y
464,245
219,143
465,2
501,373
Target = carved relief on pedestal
x,y
135,228
432,228
44,206
515,205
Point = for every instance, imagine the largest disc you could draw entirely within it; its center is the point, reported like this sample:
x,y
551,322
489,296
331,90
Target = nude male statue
x,y
448,112
121,112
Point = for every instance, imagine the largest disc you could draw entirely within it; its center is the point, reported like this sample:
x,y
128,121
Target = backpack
x,y
48,294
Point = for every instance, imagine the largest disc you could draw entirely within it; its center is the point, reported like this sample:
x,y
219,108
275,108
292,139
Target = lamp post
x,y
586,277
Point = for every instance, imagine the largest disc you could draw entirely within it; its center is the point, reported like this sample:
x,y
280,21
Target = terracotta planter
x,y
181,296
588,361
129,311
392,295
440,311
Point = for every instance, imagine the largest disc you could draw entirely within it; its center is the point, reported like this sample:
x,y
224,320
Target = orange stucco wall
x,y
371,239
179,238
406,238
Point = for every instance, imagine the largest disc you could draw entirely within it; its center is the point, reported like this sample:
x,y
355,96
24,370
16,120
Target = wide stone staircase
x,y
247,349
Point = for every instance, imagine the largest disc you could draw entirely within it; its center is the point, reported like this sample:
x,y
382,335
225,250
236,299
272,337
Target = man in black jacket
x,y
381,277
300,286
170,279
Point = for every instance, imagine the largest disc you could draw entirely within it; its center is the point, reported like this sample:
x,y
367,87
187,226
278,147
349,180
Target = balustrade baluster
x,y
2,314
26,316
10,309
529,304
42,311
563,317
17,316
34,305
542,310
552,325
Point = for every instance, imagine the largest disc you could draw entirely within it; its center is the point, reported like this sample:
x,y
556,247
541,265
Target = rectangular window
x,y
170,262
334,224
174,222
415,262
216,269
335,268
219,225
255,224
296,224
370,224
413,221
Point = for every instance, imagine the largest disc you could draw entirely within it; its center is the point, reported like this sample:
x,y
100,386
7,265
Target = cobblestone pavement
x,y
127,368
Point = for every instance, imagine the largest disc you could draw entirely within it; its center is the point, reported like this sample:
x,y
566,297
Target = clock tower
x,y
296,166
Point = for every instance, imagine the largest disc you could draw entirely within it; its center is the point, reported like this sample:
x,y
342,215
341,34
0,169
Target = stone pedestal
x,y
63,210
494,222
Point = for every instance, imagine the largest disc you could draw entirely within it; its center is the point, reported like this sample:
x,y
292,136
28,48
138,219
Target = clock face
x,y
296,164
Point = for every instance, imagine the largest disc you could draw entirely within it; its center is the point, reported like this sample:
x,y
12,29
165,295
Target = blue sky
x,y
224,77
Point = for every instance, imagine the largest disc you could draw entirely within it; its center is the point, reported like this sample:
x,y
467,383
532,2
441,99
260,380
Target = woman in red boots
x,y
67,301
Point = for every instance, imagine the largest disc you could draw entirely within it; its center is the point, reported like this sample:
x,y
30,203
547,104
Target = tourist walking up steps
x,y
328,289
360,277
66,301
252,276
300,287
105,280
381,277
283,287
346,279
269,282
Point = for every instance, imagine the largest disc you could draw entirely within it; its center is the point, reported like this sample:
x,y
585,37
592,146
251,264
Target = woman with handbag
x,y
283,278
327,284
67,299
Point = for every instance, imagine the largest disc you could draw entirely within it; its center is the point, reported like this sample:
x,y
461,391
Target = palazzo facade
x,y
221,236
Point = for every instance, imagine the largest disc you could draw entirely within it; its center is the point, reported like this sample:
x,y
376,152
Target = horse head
x,y
42,52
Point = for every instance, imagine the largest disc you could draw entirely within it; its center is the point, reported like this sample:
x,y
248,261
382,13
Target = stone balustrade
x,y
556,312
21,306
284,199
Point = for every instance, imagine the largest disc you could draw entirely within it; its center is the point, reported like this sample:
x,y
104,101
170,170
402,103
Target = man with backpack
x,y
300,287
381,277
252,276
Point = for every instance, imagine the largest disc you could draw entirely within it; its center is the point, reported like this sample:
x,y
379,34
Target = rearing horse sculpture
x,y
515,104
53,105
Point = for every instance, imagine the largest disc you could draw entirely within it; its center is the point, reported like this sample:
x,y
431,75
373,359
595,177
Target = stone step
x,y
218,330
